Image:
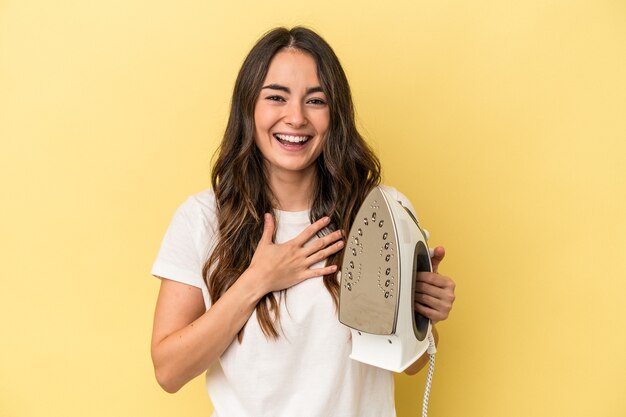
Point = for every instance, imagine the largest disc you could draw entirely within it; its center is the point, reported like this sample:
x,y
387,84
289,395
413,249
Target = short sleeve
x,y
184,248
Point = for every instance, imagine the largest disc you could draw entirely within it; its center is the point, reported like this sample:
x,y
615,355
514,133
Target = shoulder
x,y
199,210
204,199
196,221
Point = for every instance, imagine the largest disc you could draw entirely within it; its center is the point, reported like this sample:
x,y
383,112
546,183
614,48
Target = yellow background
x,y
504,122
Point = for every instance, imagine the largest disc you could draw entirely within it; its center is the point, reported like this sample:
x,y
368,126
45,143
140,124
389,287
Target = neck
x,y
292,190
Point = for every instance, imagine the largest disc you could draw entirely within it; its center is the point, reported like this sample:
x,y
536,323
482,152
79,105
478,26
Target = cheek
x,y
327,120
322,122
264,118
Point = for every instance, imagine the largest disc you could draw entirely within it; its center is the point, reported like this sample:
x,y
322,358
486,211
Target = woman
x,y
249,289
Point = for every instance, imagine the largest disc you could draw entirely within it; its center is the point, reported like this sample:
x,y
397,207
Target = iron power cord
x,y
431,369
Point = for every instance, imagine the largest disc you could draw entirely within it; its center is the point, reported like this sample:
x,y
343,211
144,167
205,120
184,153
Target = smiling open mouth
x,y
292,141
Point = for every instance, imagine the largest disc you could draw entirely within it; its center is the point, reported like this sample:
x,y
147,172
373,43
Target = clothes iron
x,y
384,251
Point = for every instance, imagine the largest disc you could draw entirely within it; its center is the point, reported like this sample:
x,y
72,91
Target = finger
x,y
319,272
325,253
311,230
432,302
441,299
438,254
322,243
435,279
433,315
434,291
268,229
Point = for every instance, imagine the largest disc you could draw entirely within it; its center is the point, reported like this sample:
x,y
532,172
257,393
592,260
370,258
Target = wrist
x,y
252,283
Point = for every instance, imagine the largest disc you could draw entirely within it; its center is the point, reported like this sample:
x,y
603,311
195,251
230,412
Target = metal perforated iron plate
x,y
370,269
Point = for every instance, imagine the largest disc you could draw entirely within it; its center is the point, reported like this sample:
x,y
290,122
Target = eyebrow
x,y
279,87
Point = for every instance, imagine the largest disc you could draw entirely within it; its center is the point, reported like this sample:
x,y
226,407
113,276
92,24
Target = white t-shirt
x,y
307,372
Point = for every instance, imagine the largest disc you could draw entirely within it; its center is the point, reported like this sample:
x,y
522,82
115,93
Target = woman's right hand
x,y
280,266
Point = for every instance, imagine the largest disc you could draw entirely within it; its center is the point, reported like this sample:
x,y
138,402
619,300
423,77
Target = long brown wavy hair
x,y
347,170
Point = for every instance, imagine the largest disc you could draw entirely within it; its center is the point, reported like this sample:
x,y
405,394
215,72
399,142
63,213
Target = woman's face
x,y
291,115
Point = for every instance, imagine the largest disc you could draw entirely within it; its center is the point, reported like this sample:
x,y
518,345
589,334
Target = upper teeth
x,y
294,139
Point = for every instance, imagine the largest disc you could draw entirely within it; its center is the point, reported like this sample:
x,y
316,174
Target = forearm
x,y
423,360
186,353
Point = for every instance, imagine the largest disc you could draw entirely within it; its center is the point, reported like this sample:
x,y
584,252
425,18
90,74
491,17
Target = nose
x,y
295,115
